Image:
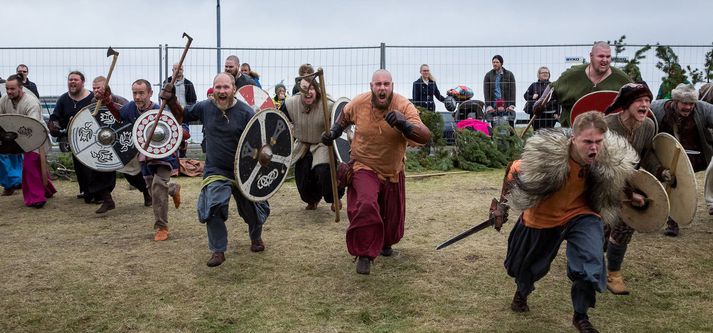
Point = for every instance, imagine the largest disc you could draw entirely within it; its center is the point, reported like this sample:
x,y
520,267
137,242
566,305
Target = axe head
x,y
110,52
190,39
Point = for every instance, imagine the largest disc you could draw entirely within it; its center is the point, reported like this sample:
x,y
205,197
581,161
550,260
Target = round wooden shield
x,y
255,97
264,155
682,193
20,134
166,138
99,141
594,101
342,145
654,214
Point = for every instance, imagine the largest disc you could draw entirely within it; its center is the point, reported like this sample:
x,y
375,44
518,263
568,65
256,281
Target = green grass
x,y
66,269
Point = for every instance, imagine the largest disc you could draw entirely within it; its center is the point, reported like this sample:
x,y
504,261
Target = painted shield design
x,y
166,138
99,141
594,101
682,191
20,134
653,215
255,97
342,145
263,156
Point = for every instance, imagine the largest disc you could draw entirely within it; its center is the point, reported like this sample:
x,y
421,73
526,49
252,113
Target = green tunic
x,y
574,83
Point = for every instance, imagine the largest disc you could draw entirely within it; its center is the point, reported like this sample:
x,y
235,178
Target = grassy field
x,y
66,269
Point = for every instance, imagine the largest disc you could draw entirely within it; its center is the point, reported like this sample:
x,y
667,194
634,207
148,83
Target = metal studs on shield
x,y
342,145
263,156
99,141
255,97
166,138
20,134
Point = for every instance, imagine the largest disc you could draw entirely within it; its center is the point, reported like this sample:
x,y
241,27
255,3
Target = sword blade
x,y
467,233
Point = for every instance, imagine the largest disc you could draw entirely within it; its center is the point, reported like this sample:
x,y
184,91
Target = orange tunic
x,y
376,145
559,207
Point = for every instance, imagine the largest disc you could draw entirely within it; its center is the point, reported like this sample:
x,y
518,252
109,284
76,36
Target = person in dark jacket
x,y
24,71
550,114
499,83
424,89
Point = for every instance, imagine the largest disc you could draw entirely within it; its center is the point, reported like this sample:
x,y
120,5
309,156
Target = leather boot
x,y
615,283
216,259
584,326
363,265
671,228
107,203
257,245
519,303
387,251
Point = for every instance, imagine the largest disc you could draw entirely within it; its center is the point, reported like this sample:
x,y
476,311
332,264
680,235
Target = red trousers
x,y
376,211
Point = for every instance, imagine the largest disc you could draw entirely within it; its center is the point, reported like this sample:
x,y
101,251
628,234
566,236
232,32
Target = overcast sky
x,y
295,23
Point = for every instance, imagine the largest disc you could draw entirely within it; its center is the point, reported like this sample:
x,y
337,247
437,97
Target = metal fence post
x,y
383,56
165,64
160,59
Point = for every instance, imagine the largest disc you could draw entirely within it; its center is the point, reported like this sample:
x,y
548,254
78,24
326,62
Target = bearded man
x,y
16,101
567,185
580,80
376,199
689,121
224,118
312,173
634,124
156,172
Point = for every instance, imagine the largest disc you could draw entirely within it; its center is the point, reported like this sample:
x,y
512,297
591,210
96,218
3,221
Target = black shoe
x,y
671,228
257,245
519,303
387,251
216,259
80,196
38,205
363,265
584,326
107,204
147,199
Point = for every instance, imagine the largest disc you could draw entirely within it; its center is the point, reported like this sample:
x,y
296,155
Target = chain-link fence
x,y
347,69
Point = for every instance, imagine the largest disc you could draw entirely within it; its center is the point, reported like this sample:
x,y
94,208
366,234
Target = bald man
x,y
376,198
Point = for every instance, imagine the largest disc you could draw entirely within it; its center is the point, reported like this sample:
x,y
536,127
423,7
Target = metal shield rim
x,y
255,118
140,148
70,126
32,119
649,220
573,115
690,188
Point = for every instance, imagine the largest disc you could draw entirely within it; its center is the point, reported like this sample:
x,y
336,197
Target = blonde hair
x,y
430,75
590,119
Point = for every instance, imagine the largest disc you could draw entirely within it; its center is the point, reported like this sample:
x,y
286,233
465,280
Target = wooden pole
x,y
332,162
163,103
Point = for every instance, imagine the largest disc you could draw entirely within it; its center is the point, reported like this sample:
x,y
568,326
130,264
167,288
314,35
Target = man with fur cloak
x,y
569,203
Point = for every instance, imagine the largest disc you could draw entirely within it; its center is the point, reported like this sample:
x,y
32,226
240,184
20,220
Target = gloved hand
x,y
499,211
398,120
329,137
168,93
667,177
54,128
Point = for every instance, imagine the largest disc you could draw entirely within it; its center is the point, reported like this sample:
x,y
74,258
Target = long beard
x,y
380,106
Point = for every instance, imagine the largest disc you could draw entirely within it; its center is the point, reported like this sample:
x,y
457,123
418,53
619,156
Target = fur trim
x,y
544,169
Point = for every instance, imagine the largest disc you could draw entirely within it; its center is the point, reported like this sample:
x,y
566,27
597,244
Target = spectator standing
x,y
246,70
23,70
499,83
232,67
425,88
550,113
